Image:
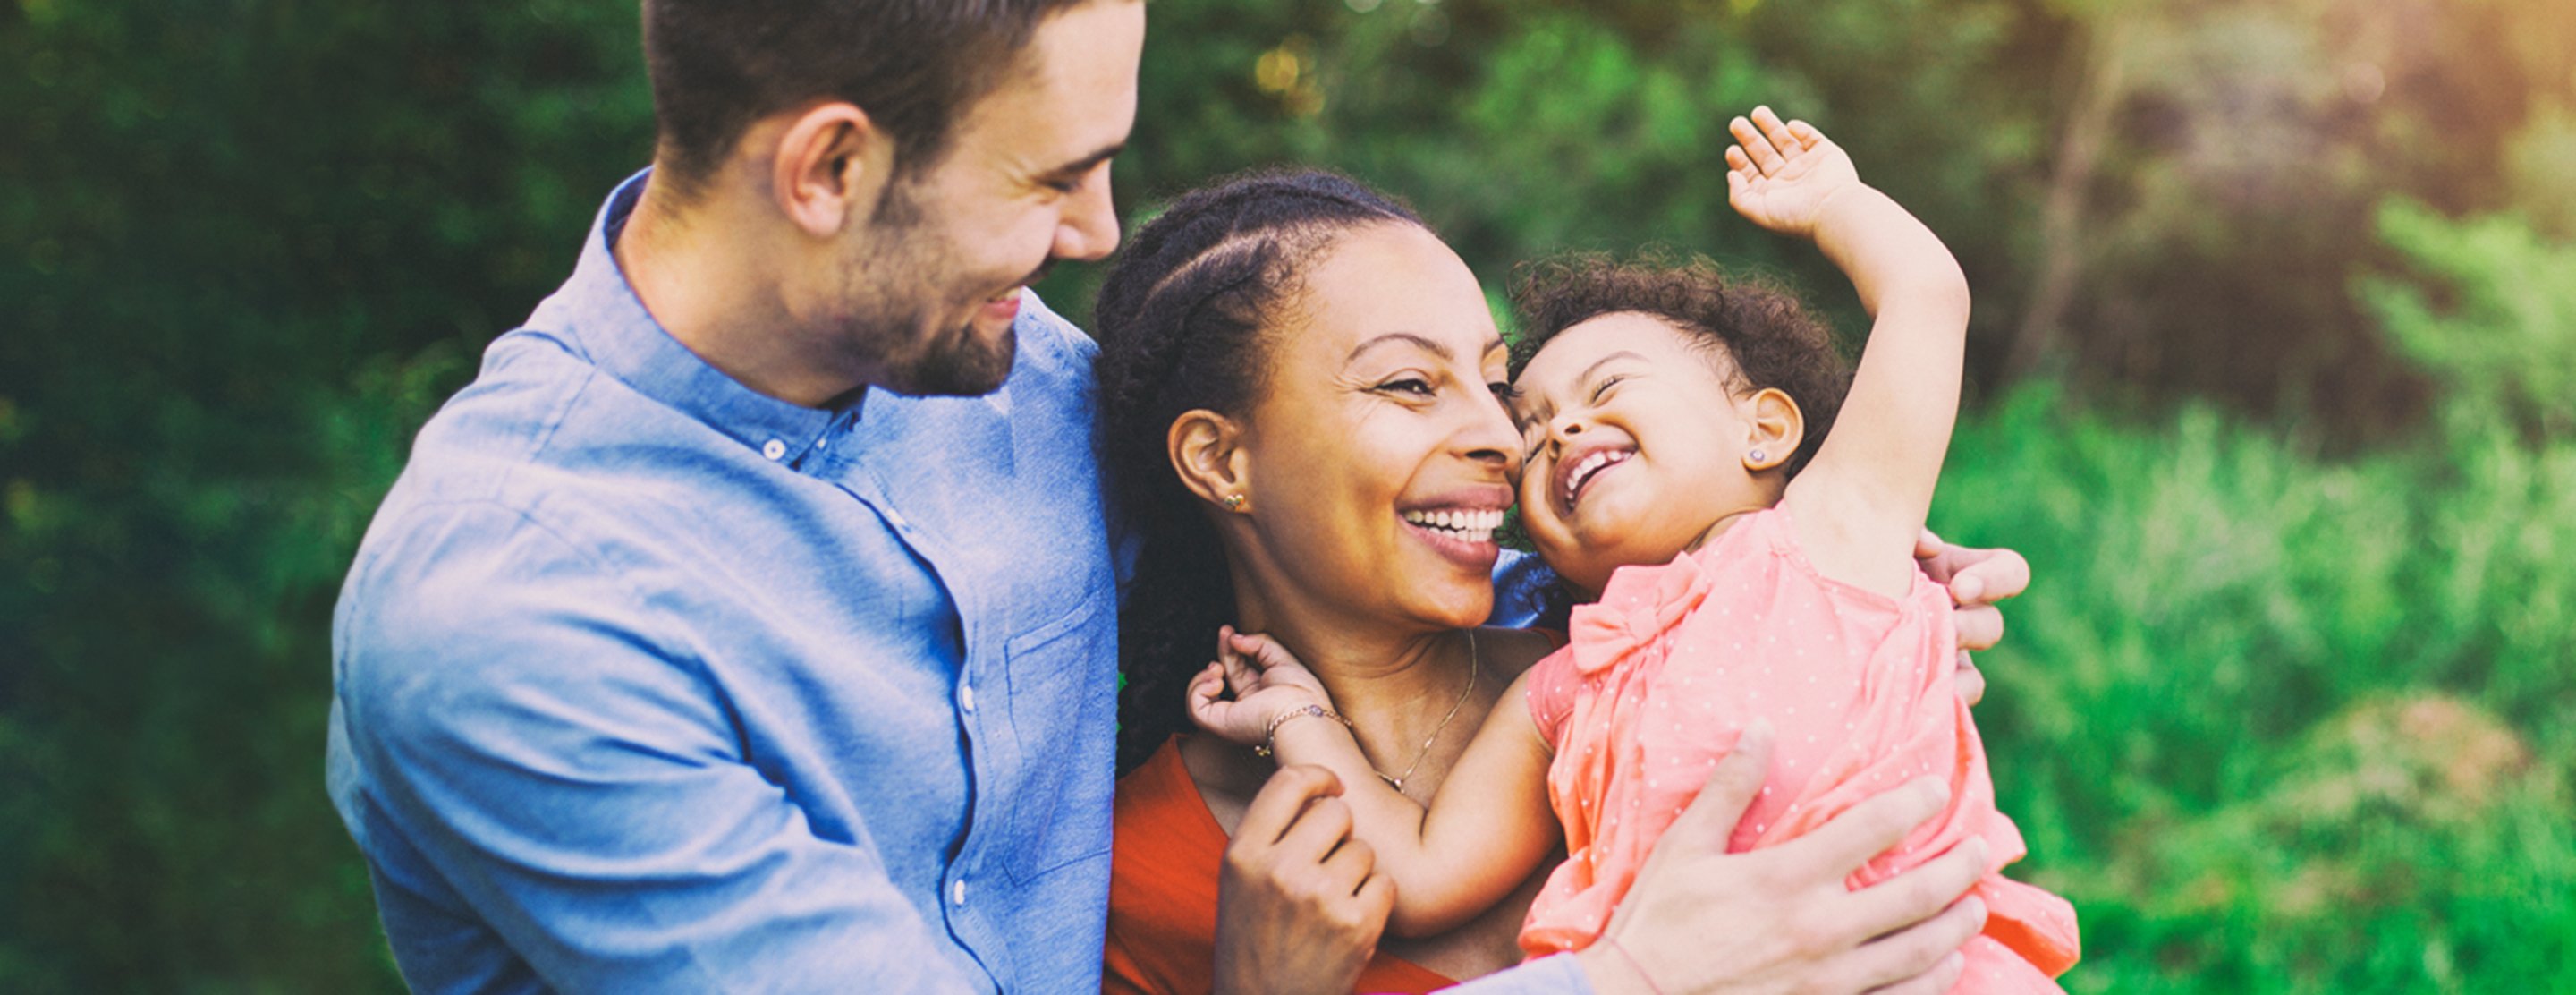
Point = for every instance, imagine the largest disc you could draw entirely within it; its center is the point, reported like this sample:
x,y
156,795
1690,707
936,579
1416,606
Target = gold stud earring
x,y
1234,502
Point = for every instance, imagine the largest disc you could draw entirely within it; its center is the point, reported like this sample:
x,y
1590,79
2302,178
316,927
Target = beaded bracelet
x,y
1270,736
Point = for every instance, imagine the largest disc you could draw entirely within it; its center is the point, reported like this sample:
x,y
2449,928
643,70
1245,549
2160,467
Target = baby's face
x,y
1633,446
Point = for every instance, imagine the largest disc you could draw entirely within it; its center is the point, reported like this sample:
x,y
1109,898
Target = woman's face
x,y
1380,460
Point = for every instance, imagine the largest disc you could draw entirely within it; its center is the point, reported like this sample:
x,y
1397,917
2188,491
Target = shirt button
x,y
957,893
773,449
966,697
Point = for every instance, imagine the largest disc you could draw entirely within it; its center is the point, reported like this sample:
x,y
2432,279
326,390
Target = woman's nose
x,y
1491,437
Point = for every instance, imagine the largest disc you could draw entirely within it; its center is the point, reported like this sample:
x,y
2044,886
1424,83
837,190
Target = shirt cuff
x,y
1557,974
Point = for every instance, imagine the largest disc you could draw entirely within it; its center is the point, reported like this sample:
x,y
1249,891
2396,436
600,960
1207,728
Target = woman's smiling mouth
x,y
1471,525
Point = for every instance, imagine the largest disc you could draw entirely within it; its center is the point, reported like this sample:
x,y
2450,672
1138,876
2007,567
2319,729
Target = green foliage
x,y
246,248
2276,723
2497,324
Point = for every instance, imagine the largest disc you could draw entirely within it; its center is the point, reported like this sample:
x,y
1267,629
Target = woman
x,y
1298,393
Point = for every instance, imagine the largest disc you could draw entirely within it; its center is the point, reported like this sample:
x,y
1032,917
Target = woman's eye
x,y
1408,385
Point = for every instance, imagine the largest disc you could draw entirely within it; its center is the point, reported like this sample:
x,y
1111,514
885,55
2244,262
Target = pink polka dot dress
x,y
1660,676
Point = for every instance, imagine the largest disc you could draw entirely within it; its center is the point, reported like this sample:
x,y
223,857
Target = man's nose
x,y
1089,228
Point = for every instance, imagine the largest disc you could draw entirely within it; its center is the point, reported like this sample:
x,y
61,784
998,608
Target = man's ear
x,y
1776,429
1207,451
831,164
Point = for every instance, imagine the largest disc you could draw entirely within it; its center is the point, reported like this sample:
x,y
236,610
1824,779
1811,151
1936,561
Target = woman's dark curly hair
x,y
1184,322
1757,326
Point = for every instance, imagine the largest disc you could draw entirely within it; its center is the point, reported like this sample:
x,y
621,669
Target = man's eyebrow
x,y
1087,163
1402,338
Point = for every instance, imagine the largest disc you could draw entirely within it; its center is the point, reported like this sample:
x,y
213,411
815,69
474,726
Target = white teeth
x,y
1466,524
1600,459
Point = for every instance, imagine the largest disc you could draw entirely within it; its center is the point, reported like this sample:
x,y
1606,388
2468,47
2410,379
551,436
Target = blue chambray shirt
x,y
648,682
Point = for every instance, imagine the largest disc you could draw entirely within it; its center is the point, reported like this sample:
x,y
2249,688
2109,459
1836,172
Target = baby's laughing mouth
x,y
1585,466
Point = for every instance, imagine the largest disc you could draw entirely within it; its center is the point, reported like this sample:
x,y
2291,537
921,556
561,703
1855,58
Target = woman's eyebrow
x,y
1402,338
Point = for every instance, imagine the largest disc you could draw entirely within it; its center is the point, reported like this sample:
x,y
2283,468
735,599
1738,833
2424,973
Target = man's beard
x,y
958,364
907,254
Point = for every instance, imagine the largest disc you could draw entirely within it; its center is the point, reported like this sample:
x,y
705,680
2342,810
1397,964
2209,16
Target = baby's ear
x,y
1774,430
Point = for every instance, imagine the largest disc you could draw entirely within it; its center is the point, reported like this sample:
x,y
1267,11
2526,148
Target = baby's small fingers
x,y
1737,160
1806,134
1778,133
1759,148
1207,685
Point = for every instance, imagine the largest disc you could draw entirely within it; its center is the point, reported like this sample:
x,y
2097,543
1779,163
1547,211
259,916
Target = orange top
x,y
1162,890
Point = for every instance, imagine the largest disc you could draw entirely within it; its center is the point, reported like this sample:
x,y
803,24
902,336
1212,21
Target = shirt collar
x,y
598,313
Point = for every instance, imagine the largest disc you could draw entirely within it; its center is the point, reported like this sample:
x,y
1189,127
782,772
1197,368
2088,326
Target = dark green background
x,y
2274,380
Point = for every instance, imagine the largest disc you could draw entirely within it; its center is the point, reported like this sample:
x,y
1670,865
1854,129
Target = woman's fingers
x,y
1276,808
1324,825
1349,866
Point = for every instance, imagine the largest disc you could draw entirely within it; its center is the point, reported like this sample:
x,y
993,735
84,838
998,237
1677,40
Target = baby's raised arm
x,y
1862,501
1482,835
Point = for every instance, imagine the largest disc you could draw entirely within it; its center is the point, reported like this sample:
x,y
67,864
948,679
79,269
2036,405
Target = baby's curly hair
x,y
1757,325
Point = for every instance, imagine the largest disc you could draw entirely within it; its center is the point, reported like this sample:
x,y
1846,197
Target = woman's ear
x,y
1776,429
1207,451
831,163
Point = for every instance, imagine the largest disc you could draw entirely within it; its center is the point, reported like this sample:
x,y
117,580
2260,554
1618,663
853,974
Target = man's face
x,y
934,278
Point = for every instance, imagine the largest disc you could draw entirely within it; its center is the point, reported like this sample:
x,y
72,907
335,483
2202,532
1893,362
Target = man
x,y
748,622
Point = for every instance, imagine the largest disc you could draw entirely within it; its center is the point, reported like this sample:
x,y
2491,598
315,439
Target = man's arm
x,y
578,783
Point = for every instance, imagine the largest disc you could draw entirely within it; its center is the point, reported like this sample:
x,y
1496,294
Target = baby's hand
x,y
1253,681
1781,176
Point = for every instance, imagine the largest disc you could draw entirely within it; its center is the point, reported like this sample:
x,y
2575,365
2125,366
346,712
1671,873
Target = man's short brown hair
x,y
915,66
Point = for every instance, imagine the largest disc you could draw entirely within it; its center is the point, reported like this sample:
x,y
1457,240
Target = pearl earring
x,y
1757,457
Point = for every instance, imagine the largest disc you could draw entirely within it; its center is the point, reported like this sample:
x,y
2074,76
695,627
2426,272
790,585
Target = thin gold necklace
x,y
1397,782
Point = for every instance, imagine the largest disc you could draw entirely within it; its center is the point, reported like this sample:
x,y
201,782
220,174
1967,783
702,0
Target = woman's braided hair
x,y
1184,322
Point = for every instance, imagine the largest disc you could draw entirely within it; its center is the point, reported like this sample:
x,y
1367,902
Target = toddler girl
x,y
1739,565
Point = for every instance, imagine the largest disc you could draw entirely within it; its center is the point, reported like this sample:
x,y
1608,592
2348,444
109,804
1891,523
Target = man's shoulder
x,y
1052,346
541,458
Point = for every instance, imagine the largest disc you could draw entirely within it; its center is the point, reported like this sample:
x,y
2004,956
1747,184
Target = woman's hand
x,y
1977,579
1776,920
1299,903
1253,681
